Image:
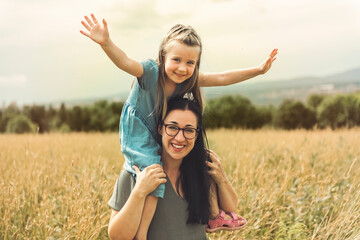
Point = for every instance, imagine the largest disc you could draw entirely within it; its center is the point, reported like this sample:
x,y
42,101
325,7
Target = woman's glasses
x,y
188,132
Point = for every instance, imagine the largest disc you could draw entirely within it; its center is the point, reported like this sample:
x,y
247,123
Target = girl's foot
x,y
222,222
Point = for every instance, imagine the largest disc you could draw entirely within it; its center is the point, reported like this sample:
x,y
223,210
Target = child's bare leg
x,y
214,203
147,215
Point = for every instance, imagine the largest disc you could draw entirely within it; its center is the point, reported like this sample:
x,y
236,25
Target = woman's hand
x,y
96,32
265,66
216,170
148,180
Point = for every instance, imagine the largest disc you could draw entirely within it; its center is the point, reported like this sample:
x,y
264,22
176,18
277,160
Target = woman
x,y
185,208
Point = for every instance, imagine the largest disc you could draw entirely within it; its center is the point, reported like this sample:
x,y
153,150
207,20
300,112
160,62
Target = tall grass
x,y
291,184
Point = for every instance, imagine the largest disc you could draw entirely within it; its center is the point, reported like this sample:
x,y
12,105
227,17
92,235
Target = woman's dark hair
x,y
194,178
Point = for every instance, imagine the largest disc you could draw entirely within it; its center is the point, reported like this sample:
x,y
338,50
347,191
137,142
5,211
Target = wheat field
x,y
291,184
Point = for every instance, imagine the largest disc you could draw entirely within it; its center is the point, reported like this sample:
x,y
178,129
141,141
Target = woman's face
x,y
177,147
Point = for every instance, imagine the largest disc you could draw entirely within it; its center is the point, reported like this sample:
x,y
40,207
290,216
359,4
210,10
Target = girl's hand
x,y
216,170
265,66
148,180
96,32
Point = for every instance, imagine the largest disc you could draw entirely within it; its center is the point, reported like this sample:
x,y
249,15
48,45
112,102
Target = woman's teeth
x,y
177,146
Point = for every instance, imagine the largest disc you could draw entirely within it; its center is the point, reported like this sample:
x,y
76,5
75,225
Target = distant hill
x,y
264,93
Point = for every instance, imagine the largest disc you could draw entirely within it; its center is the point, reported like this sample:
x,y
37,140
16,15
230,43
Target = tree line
x,y
320,111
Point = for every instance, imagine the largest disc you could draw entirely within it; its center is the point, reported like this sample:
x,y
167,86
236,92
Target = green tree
x,y
7,114
261,116
62,115
100,115
314,101
332,112
293,114
38,115
113,122
20,124
352,103
340,111
230,111
75,119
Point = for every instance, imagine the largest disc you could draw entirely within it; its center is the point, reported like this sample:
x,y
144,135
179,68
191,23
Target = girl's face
x,y
177,147
180,61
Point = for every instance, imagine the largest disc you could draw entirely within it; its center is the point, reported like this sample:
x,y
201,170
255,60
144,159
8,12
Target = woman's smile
x,y
177,147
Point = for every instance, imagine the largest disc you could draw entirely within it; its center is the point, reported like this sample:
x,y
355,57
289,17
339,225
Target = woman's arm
x,y
228,198
100,34
235,76
125,223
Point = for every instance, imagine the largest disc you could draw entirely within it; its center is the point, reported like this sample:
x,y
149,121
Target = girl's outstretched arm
x,y
228,198
100,34
235,76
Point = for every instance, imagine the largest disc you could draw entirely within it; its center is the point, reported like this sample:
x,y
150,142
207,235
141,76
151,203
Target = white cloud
x,y
15,80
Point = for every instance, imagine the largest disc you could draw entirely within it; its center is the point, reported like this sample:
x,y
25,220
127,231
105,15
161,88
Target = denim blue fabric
x,y
138,123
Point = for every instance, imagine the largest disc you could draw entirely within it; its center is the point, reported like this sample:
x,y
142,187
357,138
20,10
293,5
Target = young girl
x,y
175,73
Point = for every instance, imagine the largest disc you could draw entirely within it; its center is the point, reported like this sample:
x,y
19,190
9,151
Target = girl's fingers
x,y
86,26
89,21
84,33
275,52
94,18
105,23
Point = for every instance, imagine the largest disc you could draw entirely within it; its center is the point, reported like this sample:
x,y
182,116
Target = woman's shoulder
x,y
126,177
122,189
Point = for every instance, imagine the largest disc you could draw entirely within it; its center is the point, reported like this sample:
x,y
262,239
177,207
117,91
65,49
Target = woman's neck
x,y
172,170
171,167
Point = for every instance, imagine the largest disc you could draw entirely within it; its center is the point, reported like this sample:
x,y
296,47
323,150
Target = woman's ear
x,y
159,129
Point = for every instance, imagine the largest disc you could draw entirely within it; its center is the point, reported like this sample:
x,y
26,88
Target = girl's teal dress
x,y
138,123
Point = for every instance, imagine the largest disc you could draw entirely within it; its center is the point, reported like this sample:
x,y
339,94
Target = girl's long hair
x,y
194,178
188,36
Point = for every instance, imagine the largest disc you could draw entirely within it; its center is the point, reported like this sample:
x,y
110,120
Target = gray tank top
x,y
169,221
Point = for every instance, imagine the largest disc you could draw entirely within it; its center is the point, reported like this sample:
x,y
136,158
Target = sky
x,y
44,58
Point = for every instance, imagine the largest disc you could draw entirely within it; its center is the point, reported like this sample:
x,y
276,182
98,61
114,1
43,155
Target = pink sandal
x,y
220,223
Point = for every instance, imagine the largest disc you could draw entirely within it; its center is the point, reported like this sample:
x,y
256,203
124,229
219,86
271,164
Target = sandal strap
x,y
234,216
221,214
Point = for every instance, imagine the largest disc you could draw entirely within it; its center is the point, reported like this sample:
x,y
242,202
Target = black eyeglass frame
x,y
179,128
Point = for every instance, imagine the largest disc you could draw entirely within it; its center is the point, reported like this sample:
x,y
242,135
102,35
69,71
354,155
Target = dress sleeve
x,y
122,189
150,75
